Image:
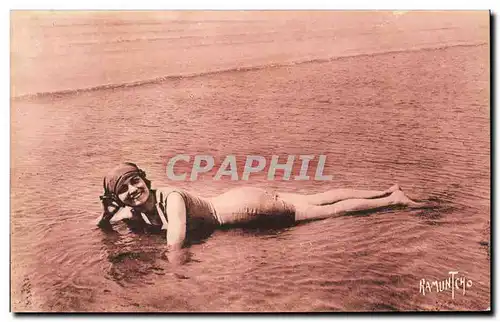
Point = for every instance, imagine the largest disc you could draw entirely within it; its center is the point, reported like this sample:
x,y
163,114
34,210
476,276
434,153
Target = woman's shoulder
x,y
163,192
168,189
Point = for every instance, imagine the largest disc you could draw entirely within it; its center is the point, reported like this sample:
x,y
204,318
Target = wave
x,y
165,78
147,22
294,32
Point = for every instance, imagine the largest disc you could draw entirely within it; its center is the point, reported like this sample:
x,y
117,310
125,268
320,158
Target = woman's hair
x,y
117,175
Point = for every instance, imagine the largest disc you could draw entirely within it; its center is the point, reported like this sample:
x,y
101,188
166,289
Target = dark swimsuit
x,y
199,213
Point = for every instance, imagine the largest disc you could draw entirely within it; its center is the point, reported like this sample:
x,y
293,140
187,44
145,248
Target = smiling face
x,y
133,191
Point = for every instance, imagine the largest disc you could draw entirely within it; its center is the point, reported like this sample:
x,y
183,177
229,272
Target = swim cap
x,y
118,174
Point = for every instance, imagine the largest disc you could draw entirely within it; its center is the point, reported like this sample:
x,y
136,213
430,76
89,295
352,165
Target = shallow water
x,y
383,110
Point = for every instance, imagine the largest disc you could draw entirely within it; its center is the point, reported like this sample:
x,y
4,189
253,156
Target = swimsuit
x,y
238,206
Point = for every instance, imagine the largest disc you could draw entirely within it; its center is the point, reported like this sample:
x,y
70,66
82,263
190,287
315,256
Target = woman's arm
x,y
176,216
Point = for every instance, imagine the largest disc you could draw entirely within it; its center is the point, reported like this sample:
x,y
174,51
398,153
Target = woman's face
x,y
133,191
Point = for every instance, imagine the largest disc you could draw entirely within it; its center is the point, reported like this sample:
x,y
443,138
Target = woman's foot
x,y
399,198
393,188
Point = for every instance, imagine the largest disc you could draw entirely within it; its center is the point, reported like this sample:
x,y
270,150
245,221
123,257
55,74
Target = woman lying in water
x,y
178,212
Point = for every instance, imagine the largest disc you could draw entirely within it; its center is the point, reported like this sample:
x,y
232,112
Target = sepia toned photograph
x,y
251,161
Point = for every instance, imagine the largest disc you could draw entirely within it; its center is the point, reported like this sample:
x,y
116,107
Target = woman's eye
x,y
134,180
122,189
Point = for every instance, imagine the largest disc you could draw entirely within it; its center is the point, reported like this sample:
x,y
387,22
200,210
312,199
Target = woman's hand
x,y
177,256
110,208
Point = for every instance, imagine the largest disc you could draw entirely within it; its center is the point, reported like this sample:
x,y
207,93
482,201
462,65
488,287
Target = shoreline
x,y
162,79
132,48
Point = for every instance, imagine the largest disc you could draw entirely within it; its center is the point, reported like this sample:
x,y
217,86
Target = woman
x,y
179,212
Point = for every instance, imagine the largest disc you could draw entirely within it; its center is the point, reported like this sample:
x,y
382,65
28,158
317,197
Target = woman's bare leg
x,y
336,195
305,211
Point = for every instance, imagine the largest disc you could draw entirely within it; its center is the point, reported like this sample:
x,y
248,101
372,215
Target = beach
x,y
388,97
